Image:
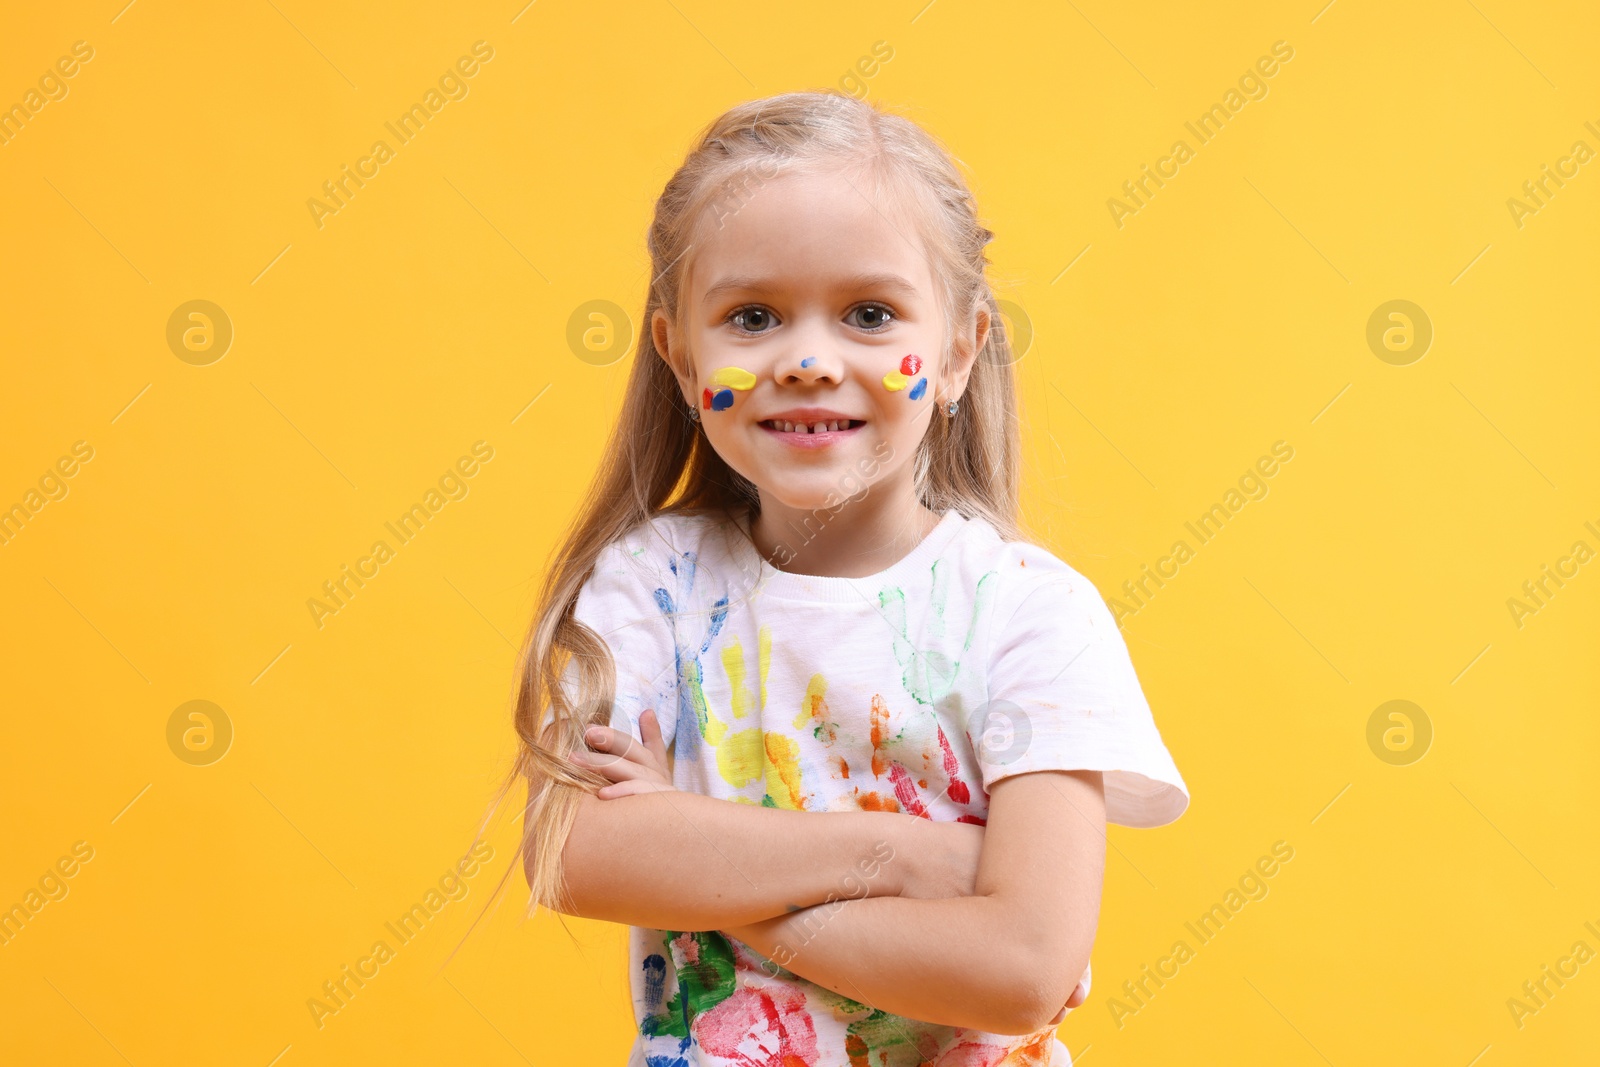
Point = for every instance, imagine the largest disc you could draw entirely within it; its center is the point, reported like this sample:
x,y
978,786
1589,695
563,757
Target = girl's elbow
x,y
578,884
1024,1008
1013,995
1034,992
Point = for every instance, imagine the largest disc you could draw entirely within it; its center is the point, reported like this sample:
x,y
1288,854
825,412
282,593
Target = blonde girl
x,y
801,703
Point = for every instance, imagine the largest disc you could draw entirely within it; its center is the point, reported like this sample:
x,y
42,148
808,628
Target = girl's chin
x,y
816,495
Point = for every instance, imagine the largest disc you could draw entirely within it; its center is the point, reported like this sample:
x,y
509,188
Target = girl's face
x,y
815,340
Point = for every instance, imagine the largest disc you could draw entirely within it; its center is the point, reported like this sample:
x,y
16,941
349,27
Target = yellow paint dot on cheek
x,y
894,381
733,378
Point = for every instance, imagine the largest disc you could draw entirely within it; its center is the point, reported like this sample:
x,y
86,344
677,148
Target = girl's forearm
x,y
974,972
682,861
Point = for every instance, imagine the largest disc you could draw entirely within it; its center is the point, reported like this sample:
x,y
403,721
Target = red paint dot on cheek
x,y
705,399
910,365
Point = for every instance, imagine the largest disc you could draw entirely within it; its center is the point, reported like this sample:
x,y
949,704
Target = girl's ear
x,y
969,341
669,347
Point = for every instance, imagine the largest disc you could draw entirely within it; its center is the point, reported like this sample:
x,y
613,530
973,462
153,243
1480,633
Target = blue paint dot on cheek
x,y
722,400
808,361
918,389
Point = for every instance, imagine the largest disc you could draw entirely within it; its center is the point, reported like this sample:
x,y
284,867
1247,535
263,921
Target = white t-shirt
x,y
912,690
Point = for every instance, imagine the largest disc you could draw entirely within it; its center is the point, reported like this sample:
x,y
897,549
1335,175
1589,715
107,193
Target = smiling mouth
x,y
832,426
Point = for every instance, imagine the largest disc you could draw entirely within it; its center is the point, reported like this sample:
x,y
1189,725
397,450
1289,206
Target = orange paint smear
x,y
876,801
880,730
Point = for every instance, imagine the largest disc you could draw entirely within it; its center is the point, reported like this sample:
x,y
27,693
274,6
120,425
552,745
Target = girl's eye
x,y
755,319
751,319
873,316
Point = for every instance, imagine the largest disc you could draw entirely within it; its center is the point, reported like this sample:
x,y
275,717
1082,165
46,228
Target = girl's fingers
x,y
614,745
615,768
1078,997
650,730
609,744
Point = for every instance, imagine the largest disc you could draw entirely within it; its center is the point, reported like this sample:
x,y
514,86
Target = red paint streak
x,y
689,947
775,1019
985,1053
880,730
906,792
976,820
705,400
958,790
910,365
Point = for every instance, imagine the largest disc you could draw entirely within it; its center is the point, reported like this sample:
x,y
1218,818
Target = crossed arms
x,y
988,928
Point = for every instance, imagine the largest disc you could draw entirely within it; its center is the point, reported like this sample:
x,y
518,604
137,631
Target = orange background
x,y
431,312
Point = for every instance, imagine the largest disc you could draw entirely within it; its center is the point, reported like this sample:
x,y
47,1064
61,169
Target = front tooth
x,y
819,427
788,427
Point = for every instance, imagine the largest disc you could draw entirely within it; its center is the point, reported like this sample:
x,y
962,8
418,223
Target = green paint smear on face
x,y
929,675
701,986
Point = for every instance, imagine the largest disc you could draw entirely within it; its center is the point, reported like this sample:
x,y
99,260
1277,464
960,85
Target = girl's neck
x,y
864,536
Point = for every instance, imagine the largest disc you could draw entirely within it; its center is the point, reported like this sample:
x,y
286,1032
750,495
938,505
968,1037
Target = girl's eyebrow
x,y
854,283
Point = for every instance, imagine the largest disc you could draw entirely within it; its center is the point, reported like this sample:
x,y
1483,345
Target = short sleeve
x,y
620,602
1063,695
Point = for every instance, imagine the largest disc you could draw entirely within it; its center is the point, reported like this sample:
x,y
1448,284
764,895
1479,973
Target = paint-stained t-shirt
x,y
912,690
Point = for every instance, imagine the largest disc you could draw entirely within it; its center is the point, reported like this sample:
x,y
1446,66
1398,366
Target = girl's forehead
x,y
812,231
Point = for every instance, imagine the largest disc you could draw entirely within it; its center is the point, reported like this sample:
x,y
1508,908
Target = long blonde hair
x,y
657,460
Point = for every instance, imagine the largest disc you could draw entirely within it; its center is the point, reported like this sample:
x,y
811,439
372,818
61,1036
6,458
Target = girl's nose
x,y
805,368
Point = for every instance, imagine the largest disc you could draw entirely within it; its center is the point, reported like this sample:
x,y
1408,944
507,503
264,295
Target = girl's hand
x,y
1079,995
632,767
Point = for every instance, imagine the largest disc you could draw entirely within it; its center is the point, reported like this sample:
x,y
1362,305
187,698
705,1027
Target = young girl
x,y
896,728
